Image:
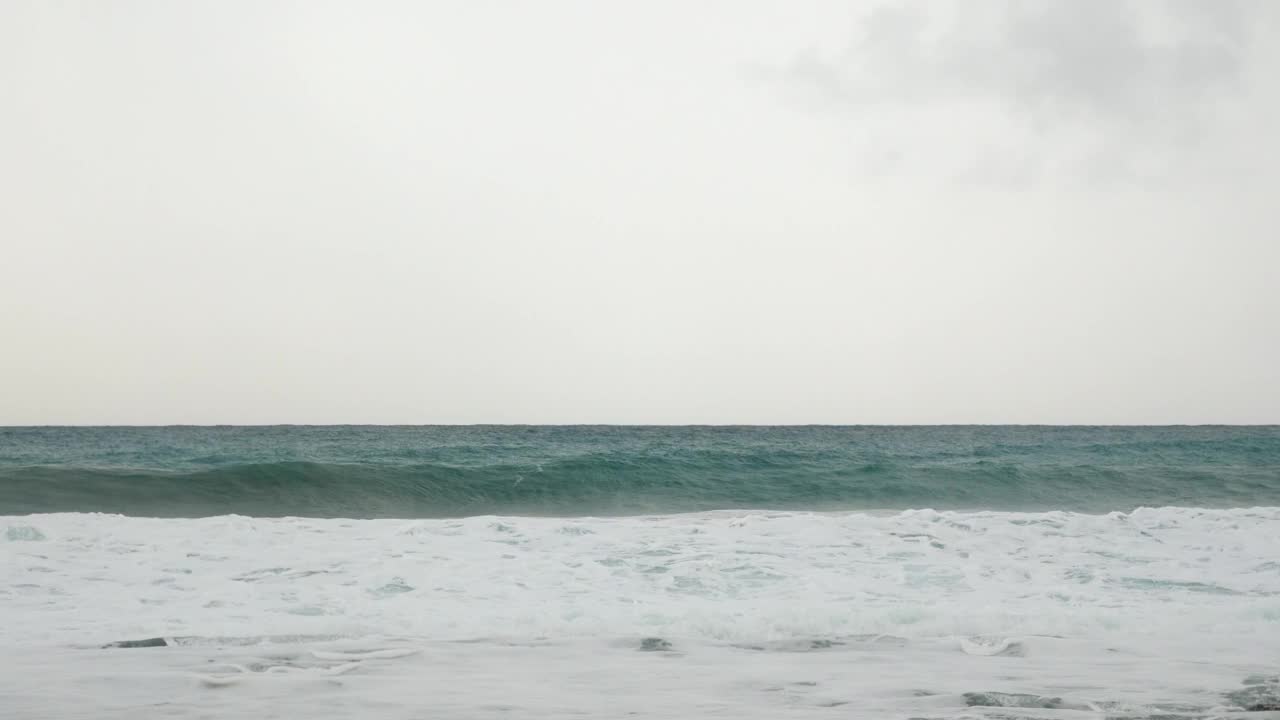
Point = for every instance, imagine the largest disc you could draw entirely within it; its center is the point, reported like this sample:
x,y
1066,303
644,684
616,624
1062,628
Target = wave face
x,y
424,472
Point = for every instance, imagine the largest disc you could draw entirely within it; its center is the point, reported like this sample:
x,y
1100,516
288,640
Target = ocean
x,y
673,572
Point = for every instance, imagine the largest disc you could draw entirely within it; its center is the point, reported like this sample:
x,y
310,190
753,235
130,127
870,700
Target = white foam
x,y
1158,605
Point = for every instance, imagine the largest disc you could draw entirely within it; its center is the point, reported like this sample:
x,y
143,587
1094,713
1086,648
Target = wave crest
x,y
613,484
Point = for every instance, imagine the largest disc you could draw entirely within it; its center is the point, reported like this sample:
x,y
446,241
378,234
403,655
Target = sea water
x,y
639,572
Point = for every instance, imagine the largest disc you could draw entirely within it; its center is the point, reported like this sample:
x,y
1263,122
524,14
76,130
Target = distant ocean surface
x,y
1018,573
427,472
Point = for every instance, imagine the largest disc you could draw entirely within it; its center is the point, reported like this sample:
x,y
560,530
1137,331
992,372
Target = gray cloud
x,y
1102,86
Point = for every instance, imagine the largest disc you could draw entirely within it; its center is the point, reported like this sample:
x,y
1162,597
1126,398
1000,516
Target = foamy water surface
x,y
1160,612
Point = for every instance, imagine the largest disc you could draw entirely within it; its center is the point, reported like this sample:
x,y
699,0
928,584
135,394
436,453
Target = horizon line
x,y
635,425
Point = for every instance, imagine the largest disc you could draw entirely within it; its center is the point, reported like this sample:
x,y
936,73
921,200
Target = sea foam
x,y
756,614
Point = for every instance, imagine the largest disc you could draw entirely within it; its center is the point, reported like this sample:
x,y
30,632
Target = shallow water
x,y
1153,613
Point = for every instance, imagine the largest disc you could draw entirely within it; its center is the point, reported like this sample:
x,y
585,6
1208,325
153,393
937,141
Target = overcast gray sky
x,y
669,212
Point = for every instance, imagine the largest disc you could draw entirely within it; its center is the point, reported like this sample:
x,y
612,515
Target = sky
x,y
746,211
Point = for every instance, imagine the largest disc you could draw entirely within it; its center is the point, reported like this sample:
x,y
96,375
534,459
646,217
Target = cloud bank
x,y
1009,91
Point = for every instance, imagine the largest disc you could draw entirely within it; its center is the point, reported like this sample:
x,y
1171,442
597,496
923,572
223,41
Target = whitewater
x,y
740,614
1167,612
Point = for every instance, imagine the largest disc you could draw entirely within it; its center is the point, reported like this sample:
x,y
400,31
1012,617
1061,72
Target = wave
x,y
626,484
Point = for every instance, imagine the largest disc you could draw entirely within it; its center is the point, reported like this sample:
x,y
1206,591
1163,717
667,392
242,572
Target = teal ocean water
x,y
1011,573
426,472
